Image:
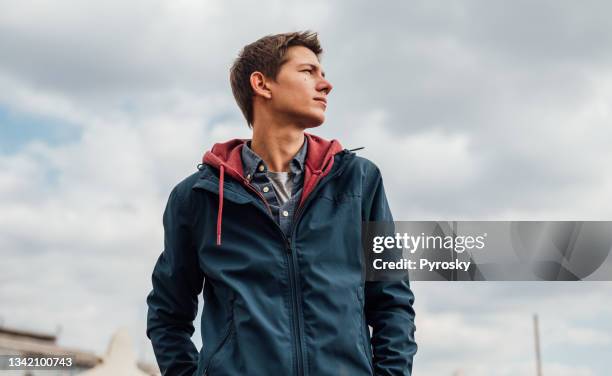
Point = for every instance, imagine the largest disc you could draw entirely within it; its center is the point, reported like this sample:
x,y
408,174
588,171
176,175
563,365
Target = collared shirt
x,y
282,190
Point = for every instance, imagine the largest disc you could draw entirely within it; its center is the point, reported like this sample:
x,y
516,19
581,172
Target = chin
x,y
315,120
309,119
314,124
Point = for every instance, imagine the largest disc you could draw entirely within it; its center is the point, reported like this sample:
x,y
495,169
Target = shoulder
x,y
362,166
183,188
181,195
366,164
359,176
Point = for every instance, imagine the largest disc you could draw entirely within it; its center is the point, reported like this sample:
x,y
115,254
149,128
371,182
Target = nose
x,y
325,86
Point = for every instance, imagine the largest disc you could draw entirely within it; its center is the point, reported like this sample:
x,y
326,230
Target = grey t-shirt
x,y
283,185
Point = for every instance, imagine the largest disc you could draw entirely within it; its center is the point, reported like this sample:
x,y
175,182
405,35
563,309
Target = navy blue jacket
x,y
277,305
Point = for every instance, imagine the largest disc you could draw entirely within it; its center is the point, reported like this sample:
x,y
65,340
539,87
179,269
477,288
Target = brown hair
x,y
266,55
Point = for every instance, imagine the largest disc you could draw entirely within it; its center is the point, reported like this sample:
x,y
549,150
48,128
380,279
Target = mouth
x,y
322,100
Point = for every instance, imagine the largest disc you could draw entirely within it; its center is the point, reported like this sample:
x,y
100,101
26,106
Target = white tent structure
x,y
119,359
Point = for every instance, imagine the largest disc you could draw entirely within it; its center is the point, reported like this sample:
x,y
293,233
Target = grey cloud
x,y
461,66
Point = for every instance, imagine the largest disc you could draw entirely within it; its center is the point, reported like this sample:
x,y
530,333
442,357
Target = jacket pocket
x,y
363,329
219,353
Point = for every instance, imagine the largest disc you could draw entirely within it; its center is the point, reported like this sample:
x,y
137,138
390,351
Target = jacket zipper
x,y
296,290
297,324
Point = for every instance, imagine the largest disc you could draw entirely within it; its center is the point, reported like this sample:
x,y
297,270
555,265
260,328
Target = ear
x,y
260,85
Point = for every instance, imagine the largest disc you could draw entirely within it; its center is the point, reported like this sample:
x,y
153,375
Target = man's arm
x,y
173,302
388,305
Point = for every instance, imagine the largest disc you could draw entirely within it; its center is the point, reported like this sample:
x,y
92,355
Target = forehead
x,y
297,55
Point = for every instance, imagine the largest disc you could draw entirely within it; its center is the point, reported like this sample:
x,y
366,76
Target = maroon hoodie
x,y
227,158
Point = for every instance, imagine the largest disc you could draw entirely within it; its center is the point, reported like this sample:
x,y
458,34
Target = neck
x,y
277,145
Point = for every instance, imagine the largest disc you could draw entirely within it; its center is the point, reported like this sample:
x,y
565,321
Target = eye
x,y
307,70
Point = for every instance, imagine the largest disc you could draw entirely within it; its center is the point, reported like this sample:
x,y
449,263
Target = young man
x,y
270,230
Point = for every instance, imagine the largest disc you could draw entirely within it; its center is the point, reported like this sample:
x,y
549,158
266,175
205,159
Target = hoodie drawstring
x,y
220,211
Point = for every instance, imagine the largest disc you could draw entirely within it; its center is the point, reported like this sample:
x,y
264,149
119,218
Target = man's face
x,y
300,91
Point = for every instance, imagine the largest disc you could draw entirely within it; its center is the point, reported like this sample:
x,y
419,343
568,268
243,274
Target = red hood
x,y
227,158
319,160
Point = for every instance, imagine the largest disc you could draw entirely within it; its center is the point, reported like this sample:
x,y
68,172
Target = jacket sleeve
x,y
388,304
173,302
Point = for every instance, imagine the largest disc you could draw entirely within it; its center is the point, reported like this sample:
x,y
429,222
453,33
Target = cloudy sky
x,y
472,109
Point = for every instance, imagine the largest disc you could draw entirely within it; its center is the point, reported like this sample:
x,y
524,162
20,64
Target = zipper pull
x,y
288,245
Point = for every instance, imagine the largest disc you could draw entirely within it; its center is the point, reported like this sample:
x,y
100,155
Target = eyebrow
x,y
313,67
